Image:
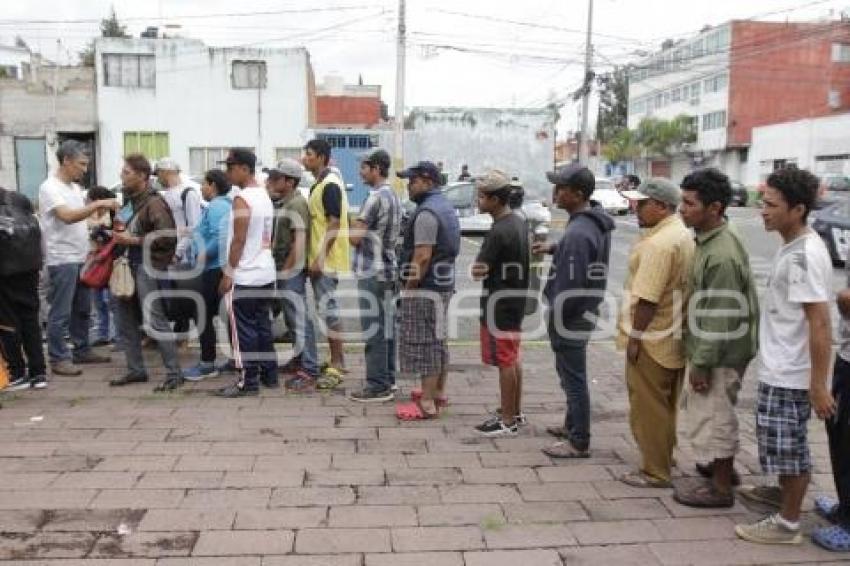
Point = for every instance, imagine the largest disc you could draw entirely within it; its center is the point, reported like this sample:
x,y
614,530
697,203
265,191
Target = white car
x,y
610,198
463,197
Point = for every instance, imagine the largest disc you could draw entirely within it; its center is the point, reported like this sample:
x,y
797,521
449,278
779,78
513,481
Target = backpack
x,y
20,235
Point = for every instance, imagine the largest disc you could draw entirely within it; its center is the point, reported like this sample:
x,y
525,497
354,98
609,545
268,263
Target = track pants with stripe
x,y
251,333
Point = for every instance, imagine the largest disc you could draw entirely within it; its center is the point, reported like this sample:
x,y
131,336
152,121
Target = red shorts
x,y
502,350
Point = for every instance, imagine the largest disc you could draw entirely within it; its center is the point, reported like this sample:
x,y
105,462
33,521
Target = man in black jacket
x,y
573,292
20,262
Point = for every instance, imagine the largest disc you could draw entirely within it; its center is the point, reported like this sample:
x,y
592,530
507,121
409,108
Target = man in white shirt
x,y
63,213
795,347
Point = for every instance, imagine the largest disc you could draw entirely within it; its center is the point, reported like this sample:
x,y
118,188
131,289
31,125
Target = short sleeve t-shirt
x,y
65,243
801,273
505,251
381,213
425,229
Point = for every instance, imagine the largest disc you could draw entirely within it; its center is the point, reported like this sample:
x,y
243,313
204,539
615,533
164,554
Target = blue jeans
x,y
377,320
296,315
571,365
69,314
101,306
327,307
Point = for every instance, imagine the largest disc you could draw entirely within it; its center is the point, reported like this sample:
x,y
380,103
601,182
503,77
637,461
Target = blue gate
x,y
347,150
31,165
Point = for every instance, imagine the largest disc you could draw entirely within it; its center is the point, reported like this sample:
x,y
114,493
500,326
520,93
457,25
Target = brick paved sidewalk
x,y
96,475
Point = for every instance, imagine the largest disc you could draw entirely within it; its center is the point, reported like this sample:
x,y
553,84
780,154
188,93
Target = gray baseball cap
x,y
656,188
286,168
493,181
167,164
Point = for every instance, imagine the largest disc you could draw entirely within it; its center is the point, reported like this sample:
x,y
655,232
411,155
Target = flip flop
x,y
826,507
834,538
412,411
441,401
640,479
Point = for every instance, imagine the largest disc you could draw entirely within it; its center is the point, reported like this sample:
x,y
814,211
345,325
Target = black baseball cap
x,y
565,174
240,156
425,169
378,158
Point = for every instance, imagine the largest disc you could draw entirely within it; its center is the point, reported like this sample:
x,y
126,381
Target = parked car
x,y
740,196
832,223
609,197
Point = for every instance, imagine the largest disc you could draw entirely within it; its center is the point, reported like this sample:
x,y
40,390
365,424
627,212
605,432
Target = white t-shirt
x,y
65,243
802,273
256,266
184,219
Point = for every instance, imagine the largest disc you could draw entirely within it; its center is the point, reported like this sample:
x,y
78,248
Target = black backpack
x,y
20,235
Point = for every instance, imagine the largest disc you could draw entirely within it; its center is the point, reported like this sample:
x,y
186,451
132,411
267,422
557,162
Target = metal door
x,y
30,165
346,151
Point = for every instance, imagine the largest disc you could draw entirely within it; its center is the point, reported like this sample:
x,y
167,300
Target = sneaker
x,y
764,494
369,395
768,531
495,428
18,384
39,382
199,372
520,419
127,379
170,384
65,367
301,382
233,391
91,358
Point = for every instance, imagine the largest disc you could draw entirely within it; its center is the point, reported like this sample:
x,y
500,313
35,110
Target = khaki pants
x,y
653,398
712,425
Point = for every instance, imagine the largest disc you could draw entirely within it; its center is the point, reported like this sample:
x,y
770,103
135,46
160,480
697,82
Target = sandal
x,y
704,496
330,379
565,450
642,479
827,508
440,401
835,538
413,411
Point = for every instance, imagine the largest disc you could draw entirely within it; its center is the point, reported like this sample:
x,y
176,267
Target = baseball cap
x,y
656,188
378,158
493,181
239,156
166,164
425,169
285,168
564,175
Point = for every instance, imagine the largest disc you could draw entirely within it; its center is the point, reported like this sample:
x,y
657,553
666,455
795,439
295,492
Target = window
x,y
695,89
715,83
676,95
282,153
129,70
202,159
249,74
840,53
153,145
714,120
712,43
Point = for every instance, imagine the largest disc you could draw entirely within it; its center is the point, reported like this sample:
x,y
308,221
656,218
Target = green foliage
x,y
652,138
613,103
109,27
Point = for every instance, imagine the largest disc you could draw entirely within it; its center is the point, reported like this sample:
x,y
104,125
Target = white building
x,y
689,78
821,145
180,98
13,60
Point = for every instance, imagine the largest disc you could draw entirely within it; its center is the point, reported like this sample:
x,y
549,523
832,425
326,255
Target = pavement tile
x,y
423,476
696,528
419,539
338,541
90,520
512,459
201,561
478,494
226,498
47,499
513,557
195,463
20,520
138,499
618,509
570,491
136,464
325,560
736,552
544,512
187,520
621,555
367,516
293,462
439,460
528,536
329,478
498,475
45,545
150,544
460,514
236,543
281,518
35,480
615,532
397,495
582,473
368,461
467,445
392,446
180,480
281,478
416,559
96,480
169,448
305,496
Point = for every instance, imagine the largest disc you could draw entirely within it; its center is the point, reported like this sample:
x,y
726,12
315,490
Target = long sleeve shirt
x,y
210,235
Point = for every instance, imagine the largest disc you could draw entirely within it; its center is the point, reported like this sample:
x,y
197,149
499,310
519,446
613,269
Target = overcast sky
x,y
460,52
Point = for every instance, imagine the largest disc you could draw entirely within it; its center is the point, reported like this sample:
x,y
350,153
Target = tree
x,y
664,137
109,27
622,146
19,42
613,103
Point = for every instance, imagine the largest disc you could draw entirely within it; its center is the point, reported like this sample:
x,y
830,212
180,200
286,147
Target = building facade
x,y
739,76
181,98
339,105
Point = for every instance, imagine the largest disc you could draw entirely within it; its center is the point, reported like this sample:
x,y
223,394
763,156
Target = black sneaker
x,y
39,382
18,384
236,391
520,419
369,395
169,384
495,428
127,379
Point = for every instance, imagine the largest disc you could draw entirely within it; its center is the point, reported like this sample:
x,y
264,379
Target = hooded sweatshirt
x,y
579,264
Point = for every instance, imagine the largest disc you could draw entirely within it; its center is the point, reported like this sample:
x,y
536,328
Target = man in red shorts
x,y
502,264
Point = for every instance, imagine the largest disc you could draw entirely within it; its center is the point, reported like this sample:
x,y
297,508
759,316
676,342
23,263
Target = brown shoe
x,y
65,368
703,495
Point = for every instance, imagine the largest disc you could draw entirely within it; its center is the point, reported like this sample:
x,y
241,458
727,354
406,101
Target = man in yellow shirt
x,y
650,327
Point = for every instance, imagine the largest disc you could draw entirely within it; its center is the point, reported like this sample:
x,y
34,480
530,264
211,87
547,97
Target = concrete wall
x,y
519,141
195,102
802,141
26,110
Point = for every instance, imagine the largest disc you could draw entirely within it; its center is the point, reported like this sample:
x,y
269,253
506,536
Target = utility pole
x,y
398,158
588,78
